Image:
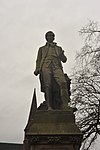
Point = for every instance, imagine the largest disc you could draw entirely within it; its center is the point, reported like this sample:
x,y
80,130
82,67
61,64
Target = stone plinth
x,y
52,130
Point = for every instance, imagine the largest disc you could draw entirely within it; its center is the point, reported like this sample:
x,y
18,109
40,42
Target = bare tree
x,y
86,84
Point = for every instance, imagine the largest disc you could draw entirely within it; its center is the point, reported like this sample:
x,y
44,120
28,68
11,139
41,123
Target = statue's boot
x,y
48,98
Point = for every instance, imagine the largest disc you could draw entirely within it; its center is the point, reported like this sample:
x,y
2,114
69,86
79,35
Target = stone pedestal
x,y
52,130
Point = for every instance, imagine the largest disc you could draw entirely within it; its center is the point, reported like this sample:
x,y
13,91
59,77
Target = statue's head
x,y
50,36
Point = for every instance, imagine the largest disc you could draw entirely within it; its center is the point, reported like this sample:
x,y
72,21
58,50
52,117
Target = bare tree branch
x,y
86,85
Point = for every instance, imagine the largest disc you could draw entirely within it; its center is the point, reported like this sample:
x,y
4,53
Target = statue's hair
x,y
49,32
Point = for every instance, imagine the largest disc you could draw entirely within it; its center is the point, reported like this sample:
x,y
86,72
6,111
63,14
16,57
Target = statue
x,y
54,83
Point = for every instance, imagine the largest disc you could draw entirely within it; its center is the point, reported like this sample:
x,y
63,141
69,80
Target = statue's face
x,y
50,37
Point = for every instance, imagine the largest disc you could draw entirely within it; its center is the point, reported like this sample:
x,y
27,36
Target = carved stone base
x,y
52,130
54,147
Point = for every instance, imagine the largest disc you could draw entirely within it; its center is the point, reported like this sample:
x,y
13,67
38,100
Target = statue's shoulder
x,y
42,47
58,47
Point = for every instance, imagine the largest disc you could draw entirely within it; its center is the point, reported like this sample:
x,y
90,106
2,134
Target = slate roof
x,y
11,146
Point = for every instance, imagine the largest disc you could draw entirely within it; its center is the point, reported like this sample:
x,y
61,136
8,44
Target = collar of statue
x,y
51,44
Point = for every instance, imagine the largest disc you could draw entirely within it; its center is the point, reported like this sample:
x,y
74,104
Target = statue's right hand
x,y
36,72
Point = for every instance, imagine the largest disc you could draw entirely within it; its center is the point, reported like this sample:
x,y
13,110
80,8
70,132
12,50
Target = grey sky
x,y
23,24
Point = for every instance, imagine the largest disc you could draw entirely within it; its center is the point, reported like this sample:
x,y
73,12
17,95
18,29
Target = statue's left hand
x,y
36,72
62,57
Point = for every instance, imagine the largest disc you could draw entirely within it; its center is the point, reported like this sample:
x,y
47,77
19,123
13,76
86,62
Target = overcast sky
x,y
23,24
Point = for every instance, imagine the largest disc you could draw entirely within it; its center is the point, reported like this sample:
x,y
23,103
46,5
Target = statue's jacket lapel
x,y
42,53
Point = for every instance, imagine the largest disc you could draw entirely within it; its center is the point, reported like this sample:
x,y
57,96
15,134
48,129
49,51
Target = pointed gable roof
x,y
32,110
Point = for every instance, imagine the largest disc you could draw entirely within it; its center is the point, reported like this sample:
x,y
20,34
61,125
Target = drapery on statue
x,y
54,83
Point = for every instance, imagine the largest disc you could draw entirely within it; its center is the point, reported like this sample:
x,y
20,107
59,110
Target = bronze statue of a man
x,y
48,65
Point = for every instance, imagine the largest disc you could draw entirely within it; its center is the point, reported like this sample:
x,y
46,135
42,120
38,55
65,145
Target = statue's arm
x,y
62,56
38,61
